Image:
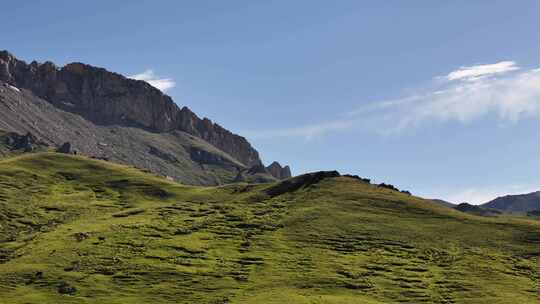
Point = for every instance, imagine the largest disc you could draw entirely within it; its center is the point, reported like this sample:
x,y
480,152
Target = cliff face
x,y
177,154
279,172
107,98
515,203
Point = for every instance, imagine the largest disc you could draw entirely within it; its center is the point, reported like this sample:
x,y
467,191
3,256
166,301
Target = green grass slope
x,y
74,230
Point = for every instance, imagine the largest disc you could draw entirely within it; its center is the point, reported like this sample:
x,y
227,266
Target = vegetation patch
x,y
106,233
129,212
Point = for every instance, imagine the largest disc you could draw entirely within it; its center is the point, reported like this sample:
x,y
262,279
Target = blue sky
x,y
438,97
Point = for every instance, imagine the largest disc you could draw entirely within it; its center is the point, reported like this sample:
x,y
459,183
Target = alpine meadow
x,y
269,152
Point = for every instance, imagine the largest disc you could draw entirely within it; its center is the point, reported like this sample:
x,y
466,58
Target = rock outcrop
x,y
515,203
299,182
27,143
66,148
279,172
258,169
165,154
107,98
205,157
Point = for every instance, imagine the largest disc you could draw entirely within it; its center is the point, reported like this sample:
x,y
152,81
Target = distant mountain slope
x,y
76,230
104,114
477,210
516,203
443,203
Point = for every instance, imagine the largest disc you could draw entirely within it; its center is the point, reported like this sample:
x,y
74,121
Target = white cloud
x,y
464,95
163,84
509,98
476,72
381,105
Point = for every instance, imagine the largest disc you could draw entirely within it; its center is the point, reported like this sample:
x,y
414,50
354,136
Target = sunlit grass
x,y
118,235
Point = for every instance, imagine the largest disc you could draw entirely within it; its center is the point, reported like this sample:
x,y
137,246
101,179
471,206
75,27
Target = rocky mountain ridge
x,y
279,172
108,98
516,203
106,115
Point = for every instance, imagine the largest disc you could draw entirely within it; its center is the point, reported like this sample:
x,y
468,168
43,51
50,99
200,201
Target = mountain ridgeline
x,y
106,115
516,203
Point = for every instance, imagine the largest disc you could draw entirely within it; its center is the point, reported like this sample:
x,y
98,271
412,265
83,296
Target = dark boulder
x,y
65,288
66,148
27,142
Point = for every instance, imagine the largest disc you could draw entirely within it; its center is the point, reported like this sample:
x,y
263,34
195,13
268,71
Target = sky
x,y
441,98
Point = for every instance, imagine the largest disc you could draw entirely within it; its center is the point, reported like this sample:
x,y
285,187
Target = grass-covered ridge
x,y
74,230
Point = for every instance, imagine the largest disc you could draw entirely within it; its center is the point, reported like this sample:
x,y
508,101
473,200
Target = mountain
x,y
106,115
534,214
516,203
79,230
476,210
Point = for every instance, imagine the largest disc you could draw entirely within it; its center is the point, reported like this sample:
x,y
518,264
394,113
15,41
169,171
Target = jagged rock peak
x,y
276,170
108,98
5,55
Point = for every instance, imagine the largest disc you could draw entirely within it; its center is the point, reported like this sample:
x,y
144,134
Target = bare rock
x,y
66,148
205,157
279,172
27,143
258,169
299,182
163,155
65,288
108,116
108,98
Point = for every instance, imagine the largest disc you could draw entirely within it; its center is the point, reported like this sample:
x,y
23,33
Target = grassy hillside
x,y
74,230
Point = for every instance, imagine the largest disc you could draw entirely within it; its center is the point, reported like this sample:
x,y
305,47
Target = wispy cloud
x,y
163,84
508,97
502,90
476,72
307,132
